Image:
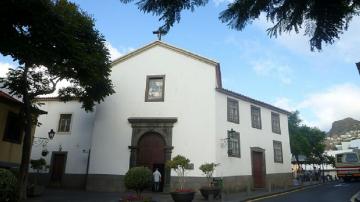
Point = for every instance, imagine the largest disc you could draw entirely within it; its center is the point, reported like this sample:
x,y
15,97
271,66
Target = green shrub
x,y
38,164
179,164
208,170
8,184
138,179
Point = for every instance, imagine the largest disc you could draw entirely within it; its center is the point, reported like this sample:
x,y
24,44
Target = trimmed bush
x,y
8,184
138,179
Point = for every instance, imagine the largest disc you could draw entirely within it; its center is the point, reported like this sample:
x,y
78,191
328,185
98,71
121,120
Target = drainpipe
x,y
87,168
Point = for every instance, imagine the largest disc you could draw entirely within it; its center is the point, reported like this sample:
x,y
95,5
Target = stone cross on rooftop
x,y
159,32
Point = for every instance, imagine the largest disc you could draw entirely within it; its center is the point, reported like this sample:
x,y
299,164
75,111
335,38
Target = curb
x,y
253,198
356,197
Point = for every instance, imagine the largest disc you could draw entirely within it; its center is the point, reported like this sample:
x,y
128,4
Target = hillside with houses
x,y
344,130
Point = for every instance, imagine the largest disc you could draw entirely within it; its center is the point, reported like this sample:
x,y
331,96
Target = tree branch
x,y
54,81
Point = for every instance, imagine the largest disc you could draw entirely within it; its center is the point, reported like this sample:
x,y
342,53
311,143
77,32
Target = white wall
x,y
249,137
189,96
74,142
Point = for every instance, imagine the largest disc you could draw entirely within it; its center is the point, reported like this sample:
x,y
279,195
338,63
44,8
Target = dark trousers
x,y
156,186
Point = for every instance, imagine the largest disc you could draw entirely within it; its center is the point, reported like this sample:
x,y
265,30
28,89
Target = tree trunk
x,y
26,149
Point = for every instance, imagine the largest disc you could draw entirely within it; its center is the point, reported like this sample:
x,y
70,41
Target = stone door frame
x,y
162,126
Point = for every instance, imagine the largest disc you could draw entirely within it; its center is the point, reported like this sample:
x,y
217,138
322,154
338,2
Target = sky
x,y
323,86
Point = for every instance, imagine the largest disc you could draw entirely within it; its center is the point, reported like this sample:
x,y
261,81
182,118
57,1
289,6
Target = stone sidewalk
x,y
59,195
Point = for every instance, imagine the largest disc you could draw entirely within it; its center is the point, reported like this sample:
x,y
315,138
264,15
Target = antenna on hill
x,y
159,33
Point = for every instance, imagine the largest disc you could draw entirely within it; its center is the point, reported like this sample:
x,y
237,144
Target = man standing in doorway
x,y
157,179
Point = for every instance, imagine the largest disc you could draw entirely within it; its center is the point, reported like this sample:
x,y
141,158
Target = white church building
x,y
168,101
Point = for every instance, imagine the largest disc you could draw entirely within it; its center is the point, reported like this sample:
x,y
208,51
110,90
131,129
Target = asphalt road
x,y
334,192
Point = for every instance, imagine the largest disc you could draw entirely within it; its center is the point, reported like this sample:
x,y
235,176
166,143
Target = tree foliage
x,y
59,36
38,164
208,170
314,150
7,186
323,20
52,40
179,164
307,141
297,141
169,11
138,179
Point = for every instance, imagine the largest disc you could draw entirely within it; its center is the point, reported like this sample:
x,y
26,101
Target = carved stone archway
x,y
162,126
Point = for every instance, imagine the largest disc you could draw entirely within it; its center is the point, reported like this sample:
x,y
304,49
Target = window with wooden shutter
x,y
275,123
278,155
64,123
232,110
233,143
255,117
13,128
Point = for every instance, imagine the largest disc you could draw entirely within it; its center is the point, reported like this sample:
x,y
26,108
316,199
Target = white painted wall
x,y
74,142
189,96
249,137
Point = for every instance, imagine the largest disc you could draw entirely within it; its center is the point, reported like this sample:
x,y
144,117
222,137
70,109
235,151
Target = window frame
x,y
8,138
273,115
229,119
70,126
237,137
281,150
252,108
148,78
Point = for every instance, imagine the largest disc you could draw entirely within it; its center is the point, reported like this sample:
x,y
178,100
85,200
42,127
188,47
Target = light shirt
x,y
157,176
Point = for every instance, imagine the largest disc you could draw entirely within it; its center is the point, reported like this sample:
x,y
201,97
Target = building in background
x,y
11,133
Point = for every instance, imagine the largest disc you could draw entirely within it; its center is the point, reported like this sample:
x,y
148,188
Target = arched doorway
x,y
161,126
151,153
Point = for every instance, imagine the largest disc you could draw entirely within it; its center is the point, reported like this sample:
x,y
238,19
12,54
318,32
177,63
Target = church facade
x,y
168,101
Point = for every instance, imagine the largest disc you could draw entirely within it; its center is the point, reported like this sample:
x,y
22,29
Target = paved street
x,y
333,192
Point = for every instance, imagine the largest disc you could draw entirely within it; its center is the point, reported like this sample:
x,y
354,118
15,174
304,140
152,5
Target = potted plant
x,y
44,152
180,164
39,165
208,170
137,179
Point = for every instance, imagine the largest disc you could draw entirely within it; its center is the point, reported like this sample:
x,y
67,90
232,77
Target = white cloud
x,y
115,52
324,107
4,68
273,69
284,103
61,84
337,102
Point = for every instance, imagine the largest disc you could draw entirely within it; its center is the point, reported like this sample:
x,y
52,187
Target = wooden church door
x,y
151,153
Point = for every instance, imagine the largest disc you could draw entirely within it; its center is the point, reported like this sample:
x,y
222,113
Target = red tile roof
x,y
8,98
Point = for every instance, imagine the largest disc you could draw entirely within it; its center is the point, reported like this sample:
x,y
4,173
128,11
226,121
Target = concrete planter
x,y
182,196
35,190
207,191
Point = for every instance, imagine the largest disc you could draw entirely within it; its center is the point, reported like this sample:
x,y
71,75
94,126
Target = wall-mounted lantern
x,y
51,134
